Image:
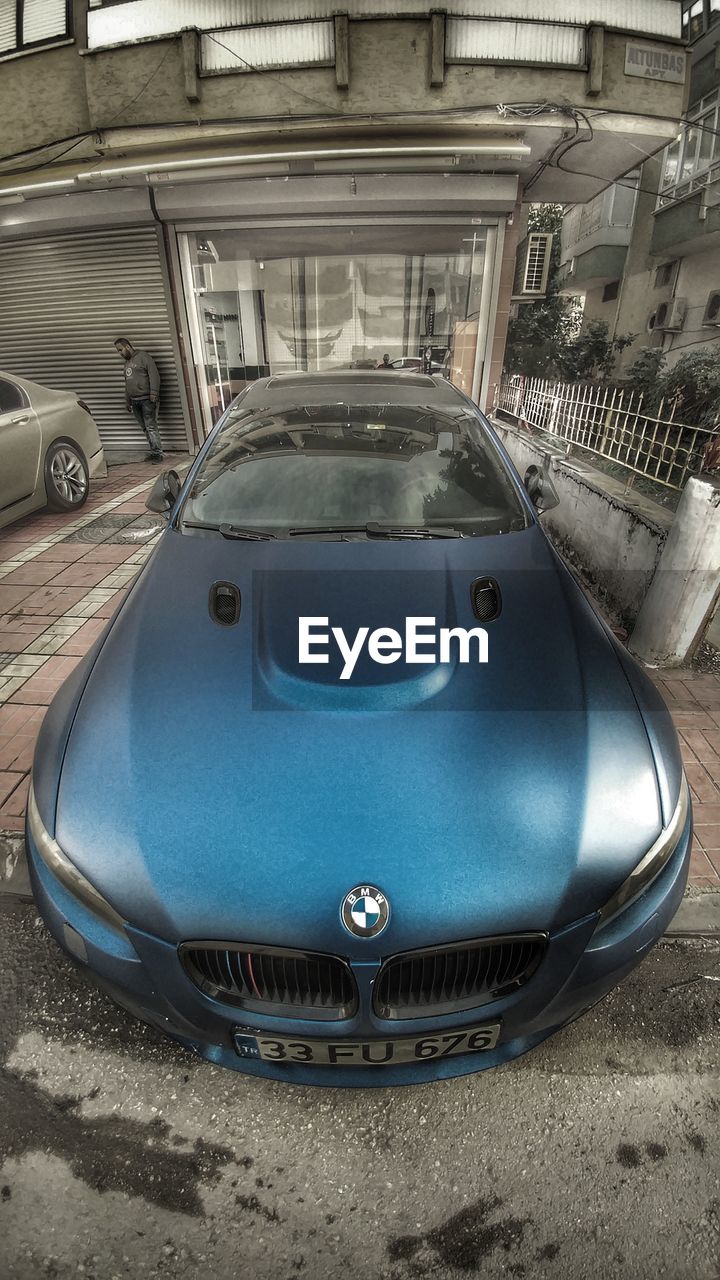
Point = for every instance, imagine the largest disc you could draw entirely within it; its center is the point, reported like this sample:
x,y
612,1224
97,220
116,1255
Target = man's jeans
x,y
146,413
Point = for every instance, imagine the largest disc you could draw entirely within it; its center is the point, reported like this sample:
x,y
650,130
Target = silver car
x,y
414,364
49,449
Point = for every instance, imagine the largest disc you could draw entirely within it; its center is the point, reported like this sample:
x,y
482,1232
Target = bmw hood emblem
x,y
365,911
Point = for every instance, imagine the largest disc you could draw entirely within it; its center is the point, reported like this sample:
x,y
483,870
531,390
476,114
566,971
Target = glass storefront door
x,y
269,299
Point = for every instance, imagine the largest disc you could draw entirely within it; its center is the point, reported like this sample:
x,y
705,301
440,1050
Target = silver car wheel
x,y
68,476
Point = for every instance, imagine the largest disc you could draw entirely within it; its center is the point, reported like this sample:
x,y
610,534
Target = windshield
x,y
344,466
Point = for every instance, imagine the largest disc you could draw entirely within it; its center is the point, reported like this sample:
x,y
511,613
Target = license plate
x,y
365,1053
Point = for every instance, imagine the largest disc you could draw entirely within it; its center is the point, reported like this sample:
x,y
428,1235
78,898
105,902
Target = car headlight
x,y
62,868
653,862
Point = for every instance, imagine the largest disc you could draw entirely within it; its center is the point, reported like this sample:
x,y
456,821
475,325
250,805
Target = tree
x,y
645,373
690,388
542,329
544,339
591,354
693,384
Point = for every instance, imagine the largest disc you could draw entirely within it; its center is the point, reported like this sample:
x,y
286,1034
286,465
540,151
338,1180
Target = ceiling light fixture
x,y
36,186
510,150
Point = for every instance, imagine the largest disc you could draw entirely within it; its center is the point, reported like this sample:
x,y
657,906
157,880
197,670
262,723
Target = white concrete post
x,y
686,582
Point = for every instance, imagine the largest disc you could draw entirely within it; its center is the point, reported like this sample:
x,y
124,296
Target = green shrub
x,y
591,355
645,374
542,329
692,386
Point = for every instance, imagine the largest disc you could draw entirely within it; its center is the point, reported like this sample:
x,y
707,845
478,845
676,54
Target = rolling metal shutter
x,y
62,303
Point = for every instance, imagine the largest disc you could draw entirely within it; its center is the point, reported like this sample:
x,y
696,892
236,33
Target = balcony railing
x,y
692,161
612,423
698,17
583,224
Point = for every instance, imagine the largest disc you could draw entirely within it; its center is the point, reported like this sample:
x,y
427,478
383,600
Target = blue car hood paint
x,y
212,788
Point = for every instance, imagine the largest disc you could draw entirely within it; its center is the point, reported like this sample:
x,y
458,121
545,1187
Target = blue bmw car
x,y
356,788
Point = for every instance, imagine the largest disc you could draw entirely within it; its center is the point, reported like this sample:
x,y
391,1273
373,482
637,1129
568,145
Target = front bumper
x,y
97,465
144,975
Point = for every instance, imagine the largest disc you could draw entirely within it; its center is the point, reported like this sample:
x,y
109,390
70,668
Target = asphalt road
x,y
121,1155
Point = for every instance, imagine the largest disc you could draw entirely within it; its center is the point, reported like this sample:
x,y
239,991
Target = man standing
x,y
142,388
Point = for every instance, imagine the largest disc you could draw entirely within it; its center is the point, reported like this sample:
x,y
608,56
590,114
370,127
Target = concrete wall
x,y
687,231
43,96
698,274
638,295
685,589
389,72
689,224
660,572
712,635
675,234
616,539
602,262
595,309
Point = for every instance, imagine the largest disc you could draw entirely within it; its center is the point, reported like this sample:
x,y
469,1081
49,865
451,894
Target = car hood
x,y
213,788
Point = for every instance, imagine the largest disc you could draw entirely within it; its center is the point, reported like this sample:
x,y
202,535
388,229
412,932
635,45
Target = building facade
x,y
245,188
646,253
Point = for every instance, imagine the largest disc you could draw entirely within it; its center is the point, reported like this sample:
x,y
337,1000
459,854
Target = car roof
x,y
22,380
356,385
26,383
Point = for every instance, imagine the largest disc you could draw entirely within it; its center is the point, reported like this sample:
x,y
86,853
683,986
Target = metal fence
x,y
610,421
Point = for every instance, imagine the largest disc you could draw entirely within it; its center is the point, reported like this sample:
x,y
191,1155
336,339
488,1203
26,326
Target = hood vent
x,y
224,603
486,599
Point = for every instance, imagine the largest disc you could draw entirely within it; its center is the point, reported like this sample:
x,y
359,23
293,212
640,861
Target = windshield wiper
x,y
327,528
230,531
375,530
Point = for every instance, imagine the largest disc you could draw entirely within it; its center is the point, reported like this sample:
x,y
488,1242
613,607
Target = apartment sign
x,y
655,62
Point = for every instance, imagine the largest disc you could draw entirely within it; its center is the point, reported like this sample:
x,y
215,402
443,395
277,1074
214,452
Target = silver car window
x,y
11,396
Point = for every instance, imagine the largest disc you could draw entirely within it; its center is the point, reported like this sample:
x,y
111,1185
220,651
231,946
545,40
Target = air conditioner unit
x,y
712,309
532,266
675,318
537,262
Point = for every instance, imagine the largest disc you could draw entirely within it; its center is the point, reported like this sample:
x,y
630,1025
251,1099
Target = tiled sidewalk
x,y
694,701
57,591
56,594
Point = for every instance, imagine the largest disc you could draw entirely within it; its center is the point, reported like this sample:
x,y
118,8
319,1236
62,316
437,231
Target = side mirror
x,y
164,493
541,490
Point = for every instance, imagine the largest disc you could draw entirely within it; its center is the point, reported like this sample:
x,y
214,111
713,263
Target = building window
x,y
698,16
664,275
227,43
610,292
693,159
268,47
273,301
484,40
30,24
712,309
